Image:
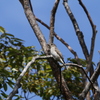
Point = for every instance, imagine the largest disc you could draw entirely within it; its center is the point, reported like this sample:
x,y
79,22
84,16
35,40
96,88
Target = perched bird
x,y
56,53
58,57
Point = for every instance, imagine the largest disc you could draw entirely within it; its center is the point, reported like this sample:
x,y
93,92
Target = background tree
x,y
67,77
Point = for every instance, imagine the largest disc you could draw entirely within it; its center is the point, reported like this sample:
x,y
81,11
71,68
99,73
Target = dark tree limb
x,y
52,21
88,85
64,88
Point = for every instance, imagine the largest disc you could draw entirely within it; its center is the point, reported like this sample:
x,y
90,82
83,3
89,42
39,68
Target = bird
x,y
57,55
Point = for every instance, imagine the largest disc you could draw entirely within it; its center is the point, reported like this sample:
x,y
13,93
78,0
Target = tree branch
x,y
93,79
81,38
17,85
93,34
77,29
52,21
94,31
31,18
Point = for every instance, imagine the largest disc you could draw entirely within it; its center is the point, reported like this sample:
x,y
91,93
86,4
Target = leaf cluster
x,y
39,78
13,58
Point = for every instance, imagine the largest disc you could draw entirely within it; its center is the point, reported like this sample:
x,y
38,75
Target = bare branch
x,y
93,79
52,21
93,35
31,18
80,37
88,16
17,85
94,31
77,29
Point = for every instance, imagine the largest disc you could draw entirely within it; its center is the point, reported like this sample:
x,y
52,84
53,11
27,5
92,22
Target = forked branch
x,y
94,31
88,85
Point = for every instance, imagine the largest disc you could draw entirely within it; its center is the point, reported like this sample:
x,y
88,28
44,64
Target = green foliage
x,y
13,58
82,61
73,78
38,79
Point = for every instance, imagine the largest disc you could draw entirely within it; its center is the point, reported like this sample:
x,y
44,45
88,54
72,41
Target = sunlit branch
x,y
17,85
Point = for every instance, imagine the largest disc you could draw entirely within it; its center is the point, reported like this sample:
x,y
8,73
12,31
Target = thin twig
x,y
88,85
80,66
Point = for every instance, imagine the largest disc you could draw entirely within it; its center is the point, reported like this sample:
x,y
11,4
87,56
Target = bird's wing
x,y
59,53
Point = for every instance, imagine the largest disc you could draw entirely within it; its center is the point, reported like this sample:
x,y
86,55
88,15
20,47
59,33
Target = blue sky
x,y
14,21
